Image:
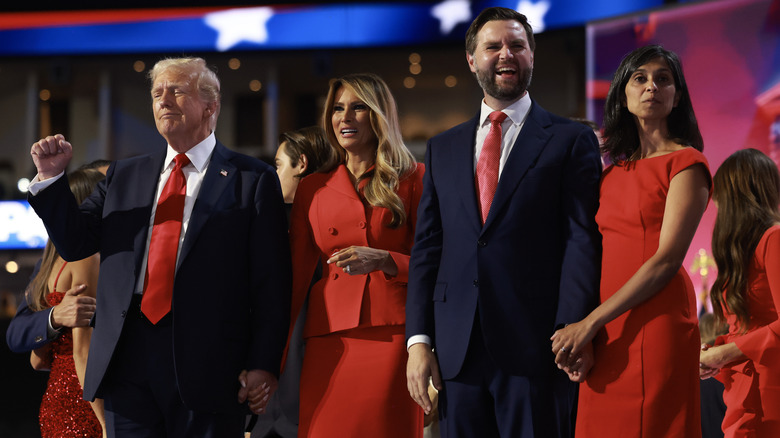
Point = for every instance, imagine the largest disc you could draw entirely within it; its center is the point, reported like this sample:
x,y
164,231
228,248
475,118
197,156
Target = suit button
x,y
124,313
476,283
39,339
334,275
332,231
481,243
362,224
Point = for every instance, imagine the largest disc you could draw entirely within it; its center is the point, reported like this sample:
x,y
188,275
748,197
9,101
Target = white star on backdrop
x,y
236,25
450,13
535,13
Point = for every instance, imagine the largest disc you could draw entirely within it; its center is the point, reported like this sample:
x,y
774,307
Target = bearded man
x,y
506,250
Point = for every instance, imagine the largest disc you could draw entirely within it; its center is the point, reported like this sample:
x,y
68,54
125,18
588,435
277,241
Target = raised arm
x,y
51,155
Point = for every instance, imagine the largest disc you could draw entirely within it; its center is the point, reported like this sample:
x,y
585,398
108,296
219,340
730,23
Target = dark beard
x,y
487,80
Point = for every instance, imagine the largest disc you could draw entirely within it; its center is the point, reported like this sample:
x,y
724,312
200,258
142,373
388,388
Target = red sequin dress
x,y
64,413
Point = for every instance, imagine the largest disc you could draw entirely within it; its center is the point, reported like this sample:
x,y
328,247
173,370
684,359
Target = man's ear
x,y
210,108
470,60
303,163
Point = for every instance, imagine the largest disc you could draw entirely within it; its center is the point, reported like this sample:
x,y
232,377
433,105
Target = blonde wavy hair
x,y
393,161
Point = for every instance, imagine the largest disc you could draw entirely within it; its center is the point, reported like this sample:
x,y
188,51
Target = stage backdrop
x,y
730,51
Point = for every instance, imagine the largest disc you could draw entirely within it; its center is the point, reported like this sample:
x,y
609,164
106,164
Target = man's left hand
x,y
257,387
578,369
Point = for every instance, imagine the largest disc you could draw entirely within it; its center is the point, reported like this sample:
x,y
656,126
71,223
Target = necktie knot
x,y
180,160
497,117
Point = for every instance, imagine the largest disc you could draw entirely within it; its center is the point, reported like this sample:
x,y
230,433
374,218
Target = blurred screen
x,y
20,227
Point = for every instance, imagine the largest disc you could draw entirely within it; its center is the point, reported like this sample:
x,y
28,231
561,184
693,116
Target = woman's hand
x,y
568,342
359,260
712,359
705,371
581,364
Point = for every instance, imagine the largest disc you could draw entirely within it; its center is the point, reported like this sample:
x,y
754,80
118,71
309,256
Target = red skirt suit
x,y
645,380
752,386
353,381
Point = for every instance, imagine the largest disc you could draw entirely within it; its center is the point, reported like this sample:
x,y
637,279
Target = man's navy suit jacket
x,y
231,293
28,329
535,263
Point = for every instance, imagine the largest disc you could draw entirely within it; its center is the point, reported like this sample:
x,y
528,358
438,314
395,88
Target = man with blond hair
x,y
194,273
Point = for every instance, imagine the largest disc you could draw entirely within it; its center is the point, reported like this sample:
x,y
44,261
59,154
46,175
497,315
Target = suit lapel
x,y
526,150
463,159
219,175
342,183
147,178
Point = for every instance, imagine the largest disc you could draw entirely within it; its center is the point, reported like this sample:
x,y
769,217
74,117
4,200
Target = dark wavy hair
x,y
747,192
497,14
620,129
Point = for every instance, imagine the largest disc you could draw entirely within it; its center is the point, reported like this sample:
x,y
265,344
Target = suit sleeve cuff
x,y
50,330
36,185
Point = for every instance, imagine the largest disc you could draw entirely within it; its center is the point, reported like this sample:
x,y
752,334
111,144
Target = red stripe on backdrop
x,y
26,20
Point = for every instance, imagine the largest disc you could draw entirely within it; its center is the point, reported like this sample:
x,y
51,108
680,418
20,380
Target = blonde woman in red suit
x,y
357,217
746,294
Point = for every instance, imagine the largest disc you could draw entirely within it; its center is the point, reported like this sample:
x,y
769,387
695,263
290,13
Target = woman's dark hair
x,y
620,128
746,189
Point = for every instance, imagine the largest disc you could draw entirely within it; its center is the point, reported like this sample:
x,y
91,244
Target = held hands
x,y
74,310
422,368
706,362
51,155
712,359
358,260
257,387
581,364
573,350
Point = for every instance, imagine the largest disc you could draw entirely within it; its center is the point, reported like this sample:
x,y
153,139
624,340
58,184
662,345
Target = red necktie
x,y
161,264
487,165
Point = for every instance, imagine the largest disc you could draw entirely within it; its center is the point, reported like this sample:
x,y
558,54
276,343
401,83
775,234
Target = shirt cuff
x,y
50,330
418,339
36,185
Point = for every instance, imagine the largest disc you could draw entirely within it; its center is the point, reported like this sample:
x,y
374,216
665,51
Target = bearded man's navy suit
x,y
533,266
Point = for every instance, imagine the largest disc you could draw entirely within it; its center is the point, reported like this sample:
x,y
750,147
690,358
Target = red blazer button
x,y
332,231
362,224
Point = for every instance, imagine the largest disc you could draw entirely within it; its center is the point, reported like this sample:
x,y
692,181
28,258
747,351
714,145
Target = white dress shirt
x,y
199,155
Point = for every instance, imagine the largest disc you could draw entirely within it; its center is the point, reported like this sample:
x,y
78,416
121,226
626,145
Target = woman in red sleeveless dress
x,y
644,379
746,294
63,412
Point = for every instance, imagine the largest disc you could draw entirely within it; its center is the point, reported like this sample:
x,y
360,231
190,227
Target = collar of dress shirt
x,y
198,154
516,112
